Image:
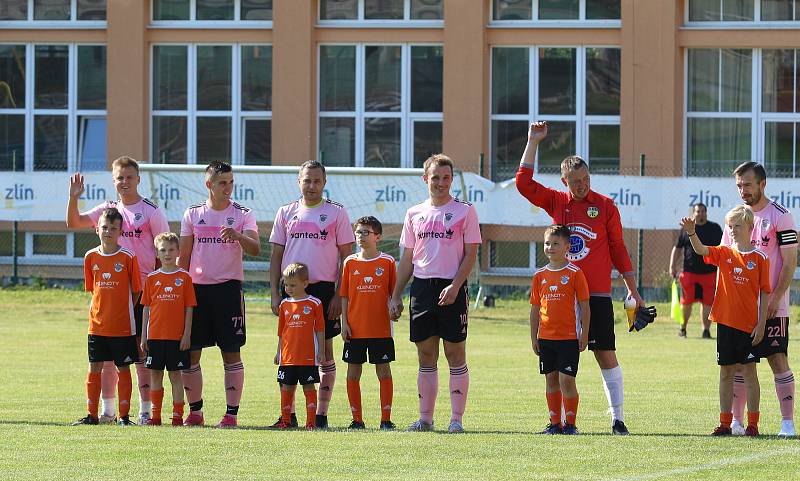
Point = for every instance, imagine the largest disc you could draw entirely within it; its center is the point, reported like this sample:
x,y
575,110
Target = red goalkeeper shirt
x,y
596,241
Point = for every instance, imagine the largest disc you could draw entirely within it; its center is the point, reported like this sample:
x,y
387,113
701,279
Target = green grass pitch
x,y
670,392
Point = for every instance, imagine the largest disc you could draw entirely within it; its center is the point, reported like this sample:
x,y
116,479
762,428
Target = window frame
x,y
361,22
236,115
758,118
73,23
511,271
192,22
405,115
72,112
580,22
757,22
580,118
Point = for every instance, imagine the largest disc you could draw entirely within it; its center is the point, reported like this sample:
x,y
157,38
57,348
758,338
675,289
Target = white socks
x,y
612,383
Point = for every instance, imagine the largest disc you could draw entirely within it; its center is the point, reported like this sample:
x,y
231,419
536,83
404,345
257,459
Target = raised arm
x,y
688,224
74,218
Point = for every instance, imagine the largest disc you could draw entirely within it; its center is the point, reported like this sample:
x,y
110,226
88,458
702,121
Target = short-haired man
x,y
775,233
142,221
315,232
698,279
214,235
595,245
440,241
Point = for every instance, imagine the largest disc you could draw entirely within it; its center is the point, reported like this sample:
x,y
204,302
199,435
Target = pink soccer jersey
x,y
141,223
437,235
312,235
214,260
774,231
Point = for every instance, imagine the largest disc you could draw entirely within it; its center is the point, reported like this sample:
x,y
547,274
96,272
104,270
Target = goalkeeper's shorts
x,y
601,324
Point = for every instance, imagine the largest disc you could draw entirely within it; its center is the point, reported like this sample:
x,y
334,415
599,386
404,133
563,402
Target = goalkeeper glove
x,y
644,316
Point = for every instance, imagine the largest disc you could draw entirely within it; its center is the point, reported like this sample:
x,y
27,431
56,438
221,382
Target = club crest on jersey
x,y
117,267
564,279
592,212
764,224
95,267
751,265
138,216
230,220
306,310
323,217
379,271
178,282
448,216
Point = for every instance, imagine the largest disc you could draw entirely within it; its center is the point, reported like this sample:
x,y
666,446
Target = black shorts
x,y
776,337
429,319
561,356
162,353
601,324
291,375
123,350
734,346
324,291
381,350
218,319
138,313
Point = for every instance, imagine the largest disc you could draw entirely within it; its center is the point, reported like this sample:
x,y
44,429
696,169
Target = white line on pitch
x,y
706,466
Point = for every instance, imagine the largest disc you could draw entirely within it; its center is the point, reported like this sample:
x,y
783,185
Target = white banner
x,y
644,202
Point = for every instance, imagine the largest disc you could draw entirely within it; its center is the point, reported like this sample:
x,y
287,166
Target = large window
x,y
742,104
575,89
211,13
594,12
212,102
52,13
366,12
52,107
380,105
736,12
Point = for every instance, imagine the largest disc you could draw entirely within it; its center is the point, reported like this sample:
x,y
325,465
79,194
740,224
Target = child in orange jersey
x,y
169,300
301,335
367,284
559,298
112,276
739,309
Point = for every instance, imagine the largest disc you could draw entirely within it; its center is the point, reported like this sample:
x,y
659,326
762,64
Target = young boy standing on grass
x,y
739,309
168,299
112,276
559,298
368,279
301,337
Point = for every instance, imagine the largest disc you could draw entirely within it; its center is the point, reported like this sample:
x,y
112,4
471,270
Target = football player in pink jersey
x,y
774,233
440,241
214,235
142,221
315,232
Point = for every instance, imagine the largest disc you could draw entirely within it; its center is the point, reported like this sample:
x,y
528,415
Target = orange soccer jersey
x,y
368,286
740,279
168,294
111,278
557,293
298,322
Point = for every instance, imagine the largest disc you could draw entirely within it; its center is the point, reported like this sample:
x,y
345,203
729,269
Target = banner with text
x,y
644,202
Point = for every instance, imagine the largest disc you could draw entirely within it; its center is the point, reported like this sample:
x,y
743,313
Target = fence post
x,y
640,252
14,234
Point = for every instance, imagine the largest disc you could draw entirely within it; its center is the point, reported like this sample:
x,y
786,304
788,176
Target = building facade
x,y
697,86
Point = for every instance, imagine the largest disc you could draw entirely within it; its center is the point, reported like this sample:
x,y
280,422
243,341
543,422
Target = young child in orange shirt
x,y
559,298
301,336
169,299
740,311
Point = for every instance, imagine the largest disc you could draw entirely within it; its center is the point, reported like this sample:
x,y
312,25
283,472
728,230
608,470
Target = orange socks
x,y
124,387
752,418
92,392
287,398
157,396
387,391
571,409
177,410
354,396
554,406
725,419
311,406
